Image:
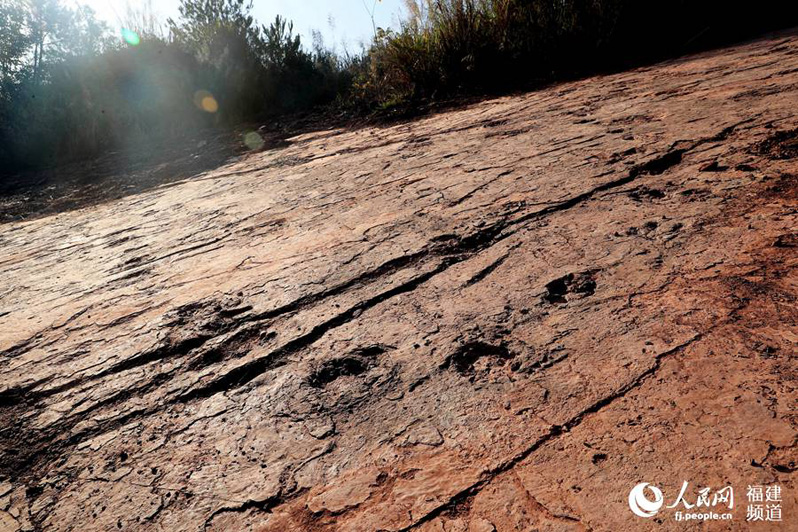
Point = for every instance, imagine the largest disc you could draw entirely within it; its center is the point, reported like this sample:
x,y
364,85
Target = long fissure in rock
x,y
451,251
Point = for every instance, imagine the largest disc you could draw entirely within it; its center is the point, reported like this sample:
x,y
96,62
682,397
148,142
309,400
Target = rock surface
x,y
496,318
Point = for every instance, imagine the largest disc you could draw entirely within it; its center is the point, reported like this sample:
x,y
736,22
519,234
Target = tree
x,y
57,32
14,38
43,19
251,69
213,28
280,48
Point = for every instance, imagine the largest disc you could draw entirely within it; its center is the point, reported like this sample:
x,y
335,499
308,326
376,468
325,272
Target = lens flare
x,y
205,101
210,104
253,141
130,37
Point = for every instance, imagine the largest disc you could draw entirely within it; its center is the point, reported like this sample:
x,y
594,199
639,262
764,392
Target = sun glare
x,y
209,104
130,37
253,141
205,101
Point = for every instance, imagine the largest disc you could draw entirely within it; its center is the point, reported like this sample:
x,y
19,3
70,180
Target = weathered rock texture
x,y
496,318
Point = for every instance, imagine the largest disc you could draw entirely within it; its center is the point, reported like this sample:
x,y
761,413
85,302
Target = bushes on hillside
x,y
452,46
59,103
68,90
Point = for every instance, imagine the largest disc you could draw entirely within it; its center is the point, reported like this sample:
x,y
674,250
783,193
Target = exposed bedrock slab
x,y
496,318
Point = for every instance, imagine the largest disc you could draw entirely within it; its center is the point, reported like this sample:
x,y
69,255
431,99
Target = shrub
x,y
67,91
453,46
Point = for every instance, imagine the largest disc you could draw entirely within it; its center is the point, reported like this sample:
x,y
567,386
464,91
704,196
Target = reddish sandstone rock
x,y
497,318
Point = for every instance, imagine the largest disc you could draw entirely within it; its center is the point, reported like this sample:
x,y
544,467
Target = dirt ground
x,y
498,318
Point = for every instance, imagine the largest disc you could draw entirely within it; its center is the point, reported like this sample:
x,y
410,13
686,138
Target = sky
x,y
340,21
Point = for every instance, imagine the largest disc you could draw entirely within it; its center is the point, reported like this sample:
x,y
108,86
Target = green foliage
x,y
279,48
257,70
14,41
68,90
216,30
39,38
450,45
453,46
